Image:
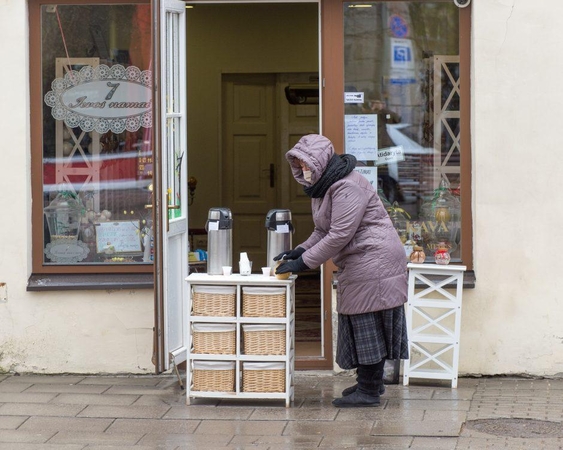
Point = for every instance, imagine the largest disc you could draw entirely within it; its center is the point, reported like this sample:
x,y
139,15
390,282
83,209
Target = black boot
x,y
367,393
352,389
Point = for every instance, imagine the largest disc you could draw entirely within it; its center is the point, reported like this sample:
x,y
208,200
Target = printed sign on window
x,y
103,98
401,54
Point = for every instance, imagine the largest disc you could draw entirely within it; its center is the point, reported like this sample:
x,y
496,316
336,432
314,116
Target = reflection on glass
x,y
403,59
97,140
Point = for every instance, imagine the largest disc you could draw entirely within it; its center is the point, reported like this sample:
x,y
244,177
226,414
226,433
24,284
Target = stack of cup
x,y
245,265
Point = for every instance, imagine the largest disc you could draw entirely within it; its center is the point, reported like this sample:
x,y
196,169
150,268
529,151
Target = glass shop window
x,y
97,142
402,114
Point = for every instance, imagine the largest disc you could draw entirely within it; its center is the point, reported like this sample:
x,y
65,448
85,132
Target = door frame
x,y
164,357
331,125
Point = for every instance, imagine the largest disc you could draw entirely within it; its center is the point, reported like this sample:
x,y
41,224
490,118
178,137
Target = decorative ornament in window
x,y
103,98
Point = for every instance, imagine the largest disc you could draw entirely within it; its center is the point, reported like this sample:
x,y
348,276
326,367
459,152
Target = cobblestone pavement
x,y
149,412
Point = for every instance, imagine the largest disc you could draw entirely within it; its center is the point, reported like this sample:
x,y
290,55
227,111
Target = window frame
x,y
333,103
36,143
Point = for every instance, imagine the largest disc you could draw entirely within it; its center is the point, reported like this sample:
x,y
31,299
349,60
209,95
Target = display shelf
x,y
433,322
239,357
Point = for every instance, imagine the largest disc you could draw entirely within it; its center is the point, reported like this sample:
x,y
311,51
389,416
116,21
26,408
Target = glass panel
x,y
175,153
97,140
402,105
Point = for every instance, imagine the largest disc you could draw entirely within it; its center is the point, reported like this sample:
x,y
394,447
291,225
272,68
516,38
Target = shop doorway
x,y
240,124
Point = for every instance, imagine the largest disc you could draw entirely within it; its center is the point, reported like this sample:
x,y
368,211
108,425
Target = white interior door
x,y
174,212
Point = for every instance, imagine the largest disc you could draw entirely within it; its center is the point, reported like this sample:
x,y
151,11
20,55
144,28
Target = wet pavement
x,y
149,412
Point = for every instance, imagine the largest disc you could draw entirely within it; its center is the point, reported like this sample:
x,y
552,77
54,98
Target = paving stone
x,y
130,412
433,443
459,416
208,412
130,447
42,446
17,436
137,390
122,381
452,405
11,422
163,399
307,442
23,397
66,388
65,424
312,427
391,415
406,393
40,409
366,441
294,414
93,399
95,438
48,379
422,428
193,441
252,427
152,426
509,443
453,394
14,387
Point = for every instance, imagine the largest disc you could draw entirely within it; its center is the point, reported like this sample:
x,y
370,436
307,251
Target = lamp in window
x,y
63,217
399,217
441,223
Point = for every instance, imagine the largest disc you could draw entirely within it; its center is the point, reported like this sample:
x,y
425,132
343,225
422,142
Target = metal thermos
x,y
280,231
219,229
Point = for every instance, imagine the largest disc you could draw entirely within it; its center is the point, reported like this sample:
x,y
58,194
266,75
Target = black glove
x,y
296,265
291,254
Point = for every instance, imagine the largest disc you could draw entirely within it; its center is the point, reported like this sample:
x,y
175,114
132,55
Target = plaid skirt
x,y
365,339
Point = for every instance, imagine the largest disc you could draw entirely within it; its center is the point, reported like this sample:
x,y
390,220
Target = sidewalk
x,y
149,412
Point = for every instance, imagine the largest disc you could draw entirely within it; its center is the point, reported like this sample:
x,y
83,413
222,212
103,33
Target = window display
x,y
403,116
97,134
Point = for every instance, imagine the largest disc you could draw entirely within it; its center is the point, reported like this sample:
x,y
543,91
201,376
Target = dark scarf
x,y
338,167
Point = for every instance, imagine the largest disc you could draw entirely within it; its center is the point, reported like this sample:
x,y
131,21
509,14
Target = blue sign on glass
x,y
402,54
398,26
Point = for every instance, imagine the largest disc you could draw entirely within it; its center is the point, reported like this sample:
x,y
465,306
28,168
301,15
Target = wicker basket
x,y
263,302
214,301
264,339
263,377
217,376
214,339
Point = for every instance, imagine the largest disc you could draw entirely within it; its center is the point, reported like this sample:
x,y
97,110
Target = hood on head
x,y
315,151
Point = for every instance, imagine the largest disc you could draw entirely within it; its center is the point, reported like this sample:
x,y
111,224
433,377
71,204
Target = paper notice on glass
x,y
370,173
390,155
361,136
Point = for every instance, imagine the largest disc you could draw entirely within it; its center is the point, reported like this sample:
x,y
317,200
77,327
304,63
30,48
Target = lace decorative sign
x,y
103,98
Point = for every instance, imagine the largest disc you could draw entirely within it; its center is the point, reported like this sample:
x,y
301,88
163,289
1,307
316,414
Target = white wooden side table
x,y
433,321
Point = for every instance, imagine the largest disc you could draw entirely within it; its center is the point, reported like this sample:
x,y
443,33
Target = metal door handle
x,y
168,208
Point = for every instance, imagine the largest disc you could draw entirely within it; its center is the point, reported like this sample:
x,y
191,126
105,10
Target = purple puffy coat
x,y
353,228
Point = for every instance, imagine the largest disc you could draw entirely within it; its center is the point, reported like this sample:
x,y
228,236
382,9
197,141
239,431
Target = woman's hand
x,y
292,254
297,265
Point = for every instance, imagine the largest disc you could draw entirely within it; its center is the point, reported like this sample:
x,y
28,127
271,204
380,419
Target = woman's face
x,y
303,166
306,171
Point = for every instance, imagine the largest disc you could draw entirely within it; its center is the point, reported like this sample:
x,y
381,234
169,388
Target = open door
x,y
171,262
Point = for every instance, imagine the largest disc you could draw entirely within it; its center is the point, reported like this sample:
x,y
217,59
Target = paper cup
x,y
227,270
266,271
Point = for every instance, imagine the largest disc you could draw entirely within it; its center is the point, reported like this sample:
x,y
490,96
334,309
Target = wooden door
x,y
249,177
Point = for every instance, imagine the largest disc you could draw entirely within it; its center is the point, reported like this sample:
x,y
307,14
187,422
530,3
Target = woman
x,y
353,228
